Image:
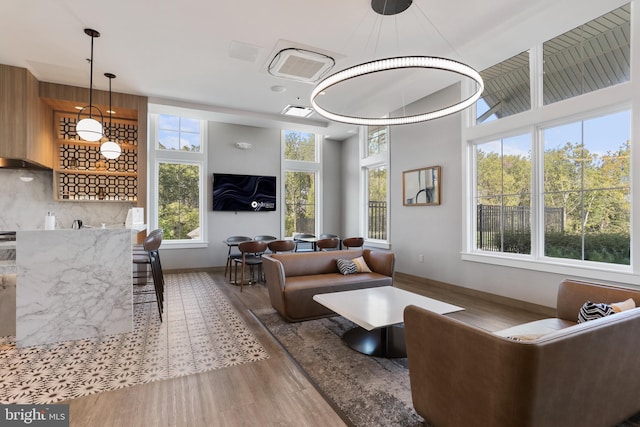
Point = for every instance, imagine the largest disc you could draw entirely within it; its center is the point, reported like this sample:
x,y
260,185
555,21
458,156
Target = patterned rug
x,y
201,331
365,391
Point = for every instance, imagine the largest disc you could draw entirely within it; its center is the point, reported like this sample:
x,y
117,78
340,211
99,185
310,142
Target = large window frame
x,y
370,160
158,156
601,102
314,167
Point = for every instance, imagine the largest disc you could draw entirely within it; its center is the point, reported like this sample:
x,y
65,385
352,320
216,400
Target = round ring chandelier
x,y
387,64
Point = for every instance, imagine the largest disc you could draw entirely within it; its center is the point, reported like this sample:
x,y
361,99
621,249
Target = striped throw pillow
x,y
592,310
346,266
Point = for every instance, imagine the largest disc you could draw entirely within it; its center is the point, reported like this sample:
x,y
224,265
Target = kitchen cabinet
x,y
24,118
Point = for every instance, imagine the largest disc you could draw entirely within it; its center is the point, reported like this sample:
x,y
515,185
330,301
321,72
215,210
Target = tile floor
x,y
201,331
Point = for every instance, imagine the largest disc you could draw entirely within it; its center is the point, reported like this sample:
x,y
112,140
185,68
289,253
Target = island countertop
x,y
72,284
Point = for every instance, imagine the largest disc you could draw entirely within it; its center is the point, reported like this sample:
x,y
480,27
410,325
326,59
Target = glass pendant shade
x,y
89,129
110,150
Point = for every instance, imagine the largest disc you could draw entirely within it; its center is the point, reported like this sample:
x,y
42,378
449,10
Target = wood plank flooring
x,y
272,392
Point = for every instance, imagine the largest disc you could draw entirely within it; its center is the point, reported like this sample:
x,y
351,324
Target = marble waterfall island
x,y
72,284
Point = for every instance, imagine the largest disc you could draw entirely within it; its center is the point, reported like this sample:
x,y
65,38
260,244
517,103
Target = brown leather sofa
x,y
585,374
294,278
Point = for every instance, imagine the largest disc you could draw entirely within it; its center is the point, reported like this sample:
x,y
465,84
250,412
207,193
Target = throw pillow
x,y
591,311
362,265
346,266
624,305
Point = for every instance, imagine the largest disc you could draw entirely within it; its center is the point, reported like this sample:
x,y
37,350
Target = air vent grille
x,y
300,64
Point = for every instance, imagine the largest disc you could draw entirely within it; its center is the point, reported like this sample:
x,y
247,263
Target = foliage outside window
x,y
179,200
300,146
587,177
300,196
374,164
301,175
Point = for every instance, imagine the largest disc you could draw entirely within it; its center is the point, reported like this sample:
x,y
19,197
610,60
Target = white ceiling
x,y
186,52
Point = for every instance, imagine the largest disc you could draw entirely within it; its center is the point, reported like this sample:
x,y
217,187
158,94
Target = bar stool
x,y
151,246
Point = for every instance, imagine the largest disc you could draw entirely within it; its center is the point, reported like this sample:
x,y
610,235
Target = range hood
x,y
20,164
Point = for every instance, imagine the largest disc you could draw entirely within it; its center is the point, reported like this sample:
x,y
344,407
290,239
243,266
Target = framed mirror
x,y
421,187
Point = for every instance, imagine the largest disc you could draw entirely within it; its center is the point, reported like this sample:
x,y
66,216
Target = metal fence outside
x,y
378,220
492,219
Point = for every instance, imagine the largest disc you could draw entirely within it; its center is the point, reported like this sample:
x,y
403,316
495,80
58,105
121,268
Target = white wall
x,y
263,159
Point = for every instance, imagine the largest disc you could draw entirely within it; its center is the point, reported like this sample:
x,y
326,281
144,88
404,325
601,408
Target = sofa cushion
x,y
535,329
592,310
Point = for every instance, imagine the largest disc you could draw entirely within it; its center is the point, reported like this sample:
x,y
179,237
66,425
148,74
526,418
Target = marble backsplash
x,y
24,205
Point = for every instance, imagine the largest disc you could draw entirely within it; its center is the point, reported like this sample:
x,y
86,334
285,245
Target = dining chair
x,y
282,246
233,242
328,244
353,242
251,255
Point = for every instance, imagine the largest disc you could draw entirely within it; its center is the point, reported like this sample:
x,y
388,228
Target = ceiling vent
x,y
300,64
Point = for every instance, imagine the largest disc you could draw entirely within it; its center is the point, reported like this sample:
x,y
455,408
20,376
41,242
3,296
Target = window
x,y
503,195
550,188
375,180
585,192
590,57
506,89
301,175
178,133
587,210
177,179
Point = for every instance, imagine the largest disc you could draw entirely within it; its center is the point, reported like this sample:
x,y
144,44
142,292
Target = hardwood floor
x,y
272,392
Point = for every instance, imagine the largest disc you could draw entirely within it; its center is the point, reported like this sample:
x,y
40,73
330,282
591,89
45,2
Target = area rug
x,y
201,331
366,391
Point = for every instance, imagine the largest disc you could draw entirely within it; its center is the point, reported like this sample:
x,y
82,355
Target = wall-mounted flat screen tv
x,y
233,192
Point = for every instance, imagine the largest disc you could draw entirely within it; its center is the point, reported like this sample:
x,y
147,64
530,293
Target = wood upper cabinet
x,y
25,121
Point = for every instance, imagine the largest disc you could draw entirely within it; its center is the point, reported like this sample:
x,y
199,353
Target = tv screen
x,y
244,192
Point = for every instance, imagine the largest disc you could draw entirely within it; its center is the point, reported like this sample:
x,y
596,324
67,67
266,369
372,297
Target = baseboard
x,y
511,302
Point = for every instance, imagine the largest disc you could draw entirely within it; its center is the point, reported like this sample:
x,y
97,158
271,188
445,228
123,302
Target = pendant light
x,y
89,128
110,149
390,8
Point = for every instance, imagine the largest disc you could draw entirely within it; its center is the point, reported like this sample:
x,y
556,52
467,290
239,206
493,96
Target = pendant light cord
x,y
91,81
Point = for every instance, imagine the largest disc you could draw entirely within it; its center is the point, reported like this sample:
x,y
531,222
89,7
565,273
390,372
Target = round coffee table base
x,y
383,342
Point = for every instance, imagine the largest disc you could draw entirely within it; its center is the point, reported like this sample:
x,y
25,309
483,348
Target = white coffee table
x,y
379,313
